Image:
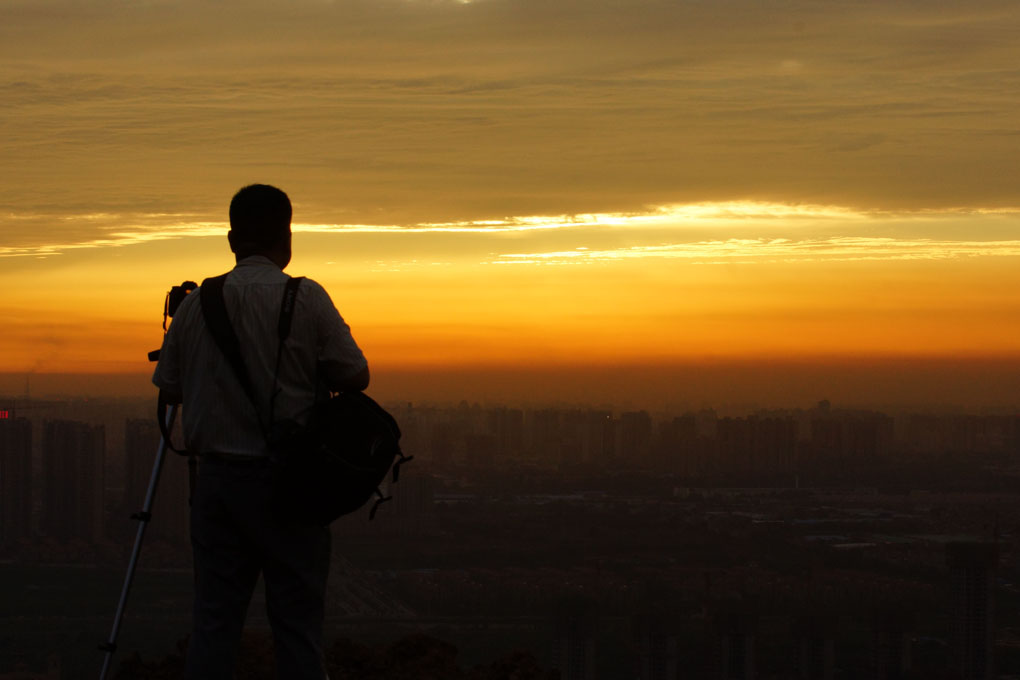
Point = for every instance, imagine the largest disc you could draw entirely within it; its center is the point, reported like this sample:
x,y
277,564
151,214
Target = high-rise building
x,y
686,447
634,436
170,514
73,488
544,435
816,648
15,480
595,433
960,433
850,435
574,642
972,572
444,443
755,444
892,651
656,643
507,425
735,629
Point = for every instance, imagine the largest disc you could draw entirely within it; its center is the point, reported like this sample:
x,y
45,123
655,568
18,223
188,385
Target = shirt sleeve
x,y
167,375
335,344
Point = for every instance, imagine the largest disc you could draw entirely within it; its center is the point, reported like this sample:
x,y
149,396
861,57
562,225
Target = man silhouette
x,y
235,533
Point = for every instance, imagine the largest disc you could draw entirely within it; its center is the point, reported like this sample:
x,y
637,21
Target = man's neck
x,y
281,260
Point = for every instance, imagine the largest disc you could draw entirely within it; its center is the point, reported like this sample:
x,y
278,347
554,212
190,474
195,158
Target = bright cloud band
x,y
109,231
781,250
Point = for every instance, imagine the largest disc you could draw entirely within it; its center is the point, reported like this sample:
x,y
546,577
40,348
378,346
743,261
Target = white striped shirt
x,y
217,415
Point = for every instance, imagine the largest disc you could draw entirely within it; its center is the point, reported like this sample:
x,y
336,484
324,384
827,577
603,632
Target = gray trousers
x,y
235,536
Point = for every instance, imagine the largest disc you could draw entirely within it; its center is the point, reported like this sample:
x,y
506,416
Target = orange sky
x,y
544,185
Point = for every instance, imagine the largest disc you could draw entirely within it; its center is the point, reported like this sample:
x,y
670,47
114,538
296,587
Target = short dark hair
x,y
259,217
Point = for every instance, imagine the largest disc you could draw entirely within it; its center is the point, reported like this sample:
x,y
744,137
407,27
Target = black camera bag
x,y
335,464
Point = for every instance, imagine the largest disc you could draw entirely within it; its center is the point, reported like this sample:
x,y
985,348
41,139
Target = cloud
x,y
49,234
711,232
404,112
841,249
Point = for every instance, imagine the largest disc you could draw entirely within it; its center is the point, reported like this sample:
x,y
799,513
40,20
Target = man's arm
x,y
336,381
167,374
341,364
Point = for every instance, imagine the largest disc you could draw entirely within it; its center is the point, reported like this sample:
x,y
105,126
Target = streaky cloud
x,y
107,230
843,249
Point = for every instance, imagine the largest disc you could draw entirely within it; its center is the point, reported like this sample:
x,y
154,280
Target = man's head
x,y
260,223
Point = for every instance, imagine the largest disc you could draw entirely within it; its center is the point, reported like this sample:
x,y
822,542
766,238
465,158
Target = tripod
x,y
143,516
173,300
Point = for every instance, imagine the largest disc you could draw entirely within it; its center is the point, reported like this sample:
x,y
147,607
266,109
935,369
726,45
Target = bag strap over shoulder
x,y
287,307
214,310
282,331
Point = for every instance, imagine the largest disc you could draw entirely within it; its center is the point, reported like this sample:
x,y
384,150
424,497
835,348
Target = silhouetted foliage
x,y
415,656
517,665
168,668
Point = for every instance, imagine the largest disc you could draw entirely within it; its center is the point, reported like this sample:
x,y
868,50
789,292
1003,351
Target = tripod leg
x,y
143,517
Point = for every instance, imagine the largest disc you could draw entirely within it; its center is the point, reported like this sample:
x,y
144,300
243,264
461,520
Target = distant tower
x,y
574,642
73,480
657,648
634,436
15,479
170,518
892,653
816,648
972,573
735,629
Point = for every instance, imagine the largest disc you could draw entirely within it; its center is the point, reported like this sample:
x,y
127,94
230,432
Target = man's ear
x,y
230,240
282,253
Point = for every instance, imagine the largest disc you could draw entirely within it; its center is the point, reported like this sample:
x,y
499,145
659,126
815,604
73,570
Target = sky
x,y
703,199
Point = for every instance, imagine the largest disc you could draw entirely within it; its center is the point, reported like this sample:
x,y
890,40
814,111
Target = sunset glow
x,y
640,287
549,186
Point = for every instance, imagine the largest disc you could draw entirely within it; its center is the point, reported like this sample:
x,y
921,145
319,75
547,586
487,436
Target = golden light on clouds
x,y
845,248
729,279
505,183
123,230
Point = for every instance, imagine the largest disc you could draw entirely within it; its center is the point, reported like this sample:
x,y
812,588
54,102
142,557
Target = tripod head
x,y
173,300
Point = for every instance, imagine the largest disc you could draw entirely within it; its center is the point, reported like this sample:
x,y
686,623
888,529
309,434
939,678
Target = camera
x,y
173,300
176,296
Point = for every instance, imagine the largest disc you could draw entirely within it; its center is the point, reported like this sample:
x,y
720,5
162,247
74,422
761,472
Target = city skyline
x,y
806,539
894,384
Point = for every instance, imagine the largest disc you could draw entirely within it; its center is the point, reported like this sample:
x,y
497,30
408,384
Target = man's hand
x,y
337,382
170,398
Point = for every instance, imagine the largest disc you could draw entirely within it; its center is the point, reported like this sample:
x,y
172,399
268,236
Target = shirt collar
x,y
255,261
